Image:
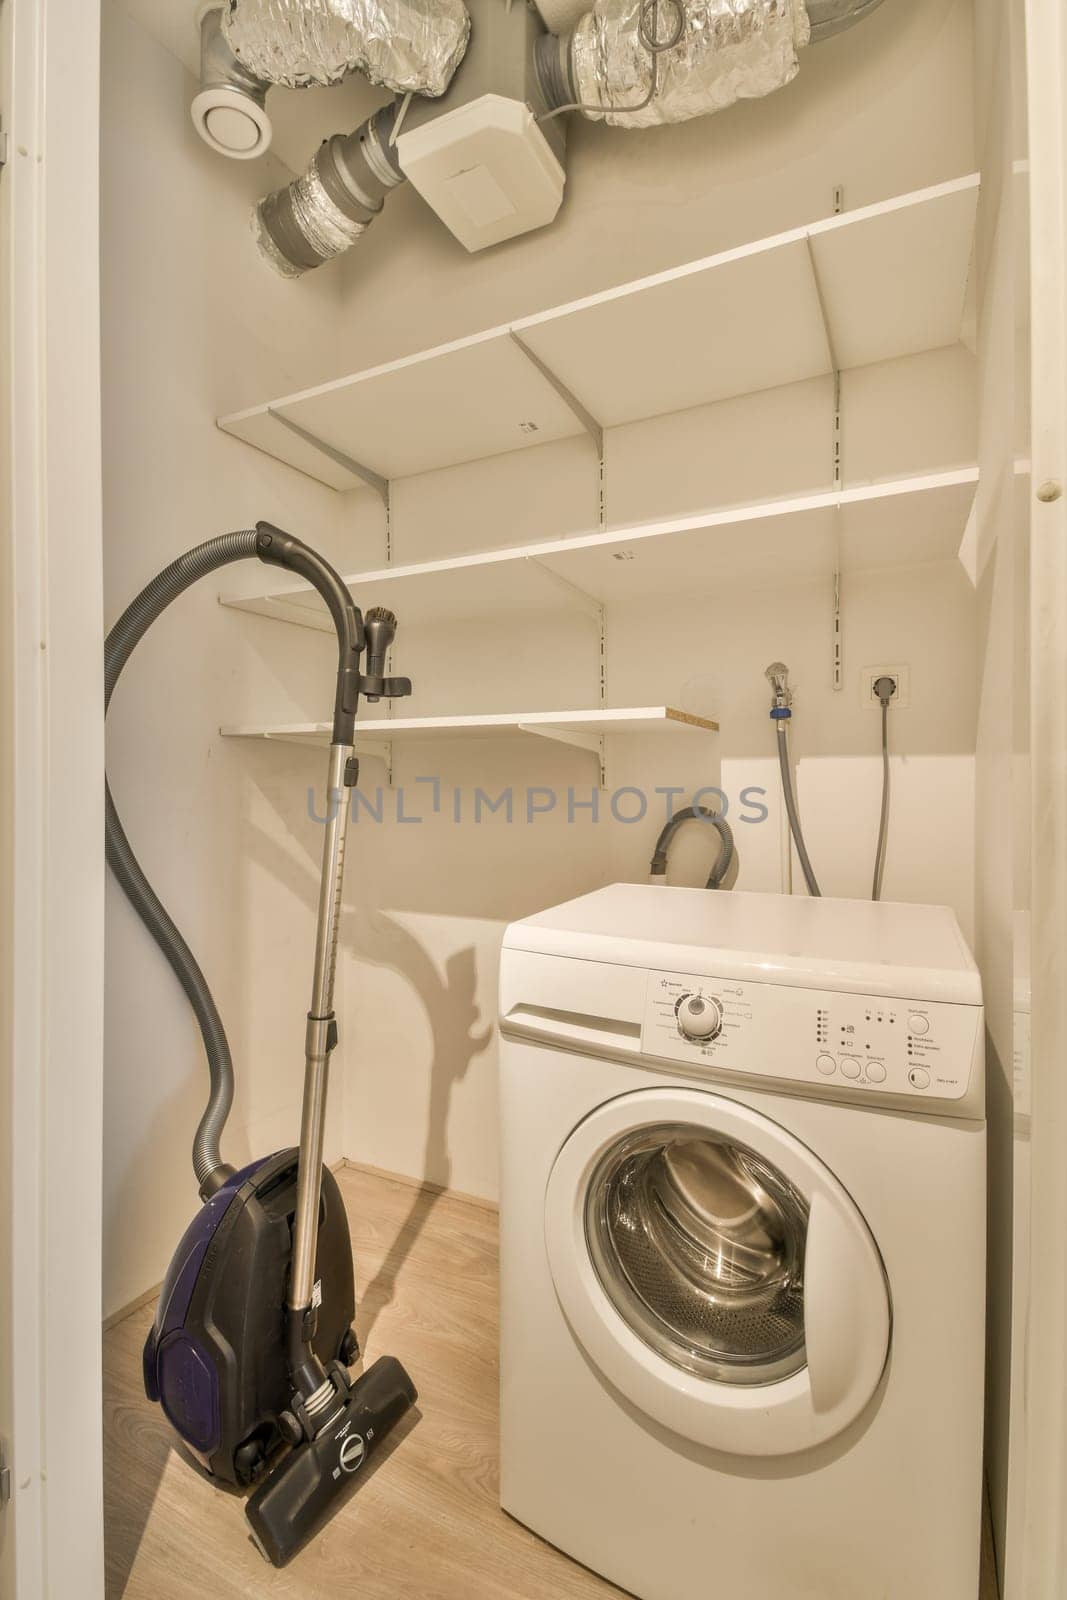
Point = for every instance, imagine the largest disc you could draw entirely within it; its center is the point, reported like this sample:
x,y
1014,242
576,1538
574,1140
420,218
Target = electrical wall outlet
x,y
869,677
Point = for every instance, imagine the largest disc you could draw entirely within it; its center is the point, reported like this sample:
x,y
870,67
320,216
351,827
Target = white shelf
x,y
582,728
901,521
889,280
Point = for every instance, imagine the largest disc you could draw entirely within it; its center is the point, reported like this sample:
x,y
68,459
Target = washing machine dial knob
x,y
699,1017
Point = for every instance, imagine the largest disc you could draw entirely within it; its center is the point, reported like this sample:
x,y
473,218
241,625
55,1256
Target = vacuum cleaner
x,y
250,1352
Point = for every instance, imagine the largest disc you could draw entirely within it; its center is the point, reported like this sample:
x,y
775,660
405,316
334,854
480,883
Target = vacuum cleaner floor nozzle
x,y
316,1477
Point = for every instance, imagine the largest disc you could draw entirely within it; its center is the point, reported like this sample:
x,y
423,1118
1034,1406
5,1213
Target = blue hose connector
x,y
780,713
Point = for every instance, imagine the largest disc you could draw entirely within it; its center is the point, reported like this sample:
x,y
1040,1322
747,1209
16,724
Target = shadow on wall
x,y
449,1003
453,1014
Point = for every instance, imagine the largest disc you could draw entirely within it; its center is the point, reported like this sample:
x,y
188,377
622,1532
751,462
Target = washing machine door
x,y
716,1272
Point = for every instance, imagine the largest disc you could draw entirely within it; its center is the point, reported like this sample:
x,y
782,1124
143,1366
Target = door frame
x,y
51,809
1037,1538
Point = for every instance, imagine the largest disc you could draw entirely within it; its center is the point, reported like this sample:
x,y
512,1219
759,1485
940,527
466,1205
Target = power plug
x,y
896,677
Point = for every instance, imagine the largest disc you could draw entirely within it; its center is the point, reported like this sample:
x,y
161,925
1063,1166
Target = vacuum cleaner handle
x,y
281,549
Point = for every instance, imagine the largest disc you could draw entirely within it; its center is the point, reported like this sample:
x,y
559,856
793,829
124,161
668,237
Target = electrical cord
x,y
885,688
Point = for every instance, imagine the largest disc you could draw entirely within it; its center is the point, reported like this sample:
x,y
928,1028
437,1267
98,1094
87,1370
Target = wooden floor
x,y
426,1526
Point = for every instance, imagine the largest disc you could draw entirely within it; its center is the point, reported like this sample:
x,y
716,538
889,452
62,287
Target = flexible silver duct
x,y
325,211
412,46
640,63
724,52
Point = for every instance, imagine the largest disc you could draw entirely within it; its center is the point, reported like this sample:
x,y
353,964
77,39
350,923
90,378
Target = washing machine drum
x,y
716,1272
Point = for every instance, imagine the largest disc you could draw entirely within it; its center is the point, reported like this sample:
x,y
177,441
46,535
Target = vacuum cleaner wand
x,y
334,1423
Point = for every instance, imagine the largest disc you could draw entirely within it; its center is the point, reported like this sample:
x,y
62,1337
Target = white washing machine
x,y
743,1244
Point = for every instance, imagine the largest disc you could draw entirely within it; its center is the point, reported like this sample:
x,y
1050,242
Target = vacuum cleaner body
x,y
216,1356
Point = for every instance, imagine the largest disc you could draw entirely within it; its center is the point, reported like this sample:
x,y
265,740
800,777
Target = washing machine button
x,y
875,1072
919,1078
918,1024
850,1067
826,1065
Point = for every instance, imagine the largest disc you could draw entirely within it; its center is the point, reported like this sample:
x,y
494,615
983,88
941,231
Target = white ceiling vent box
x,y
486,169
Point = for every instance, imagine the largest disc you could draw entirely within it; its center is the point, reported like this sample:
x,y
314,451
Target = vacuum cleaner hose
x,y
123,639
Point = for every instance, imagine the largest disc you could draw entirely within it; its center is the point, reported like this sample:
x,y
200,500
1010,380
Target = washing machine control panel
x,y
897,1046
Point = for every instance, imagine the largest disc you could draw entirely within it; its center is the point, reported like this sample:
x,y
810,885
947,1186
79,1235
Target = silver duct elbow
x,y
324,212
230,110
412,46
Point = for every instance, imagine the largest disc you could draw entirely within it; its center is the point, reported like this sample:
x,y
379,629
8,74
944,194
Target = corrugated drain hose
x,y
725,858
129,630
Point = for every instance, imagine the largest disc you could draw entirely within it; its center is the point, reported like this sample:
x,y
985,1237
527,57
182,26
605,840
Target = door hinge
x,y
5,1476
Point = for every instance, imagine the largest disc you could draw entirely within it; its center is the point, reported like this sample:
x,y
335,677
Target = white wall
x,y
188,316
429,899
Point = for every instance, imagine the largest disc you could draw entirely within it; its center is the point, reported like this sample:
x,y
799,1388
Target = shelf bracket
x,y
591,607
592,427
299,616
382,749
585,602
591,742
372,479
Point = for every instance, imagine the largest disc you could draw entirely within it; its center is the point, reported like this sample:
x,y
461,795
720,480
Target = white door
x,y
716,1272
51,803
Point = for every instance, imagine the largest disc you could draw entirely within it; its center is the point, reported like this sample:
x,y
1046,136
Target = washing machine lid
x,y
855,946
716,1273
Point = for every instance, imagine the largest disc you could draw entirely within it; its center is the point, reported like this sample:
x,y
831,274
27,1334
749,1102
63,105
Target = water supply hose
x,y
777,675
727,853
123,639
781,717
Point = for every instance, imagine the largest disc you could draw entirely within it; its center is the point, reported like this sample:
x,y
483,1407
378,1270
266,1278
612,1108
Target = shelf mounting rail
x,y
837,663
